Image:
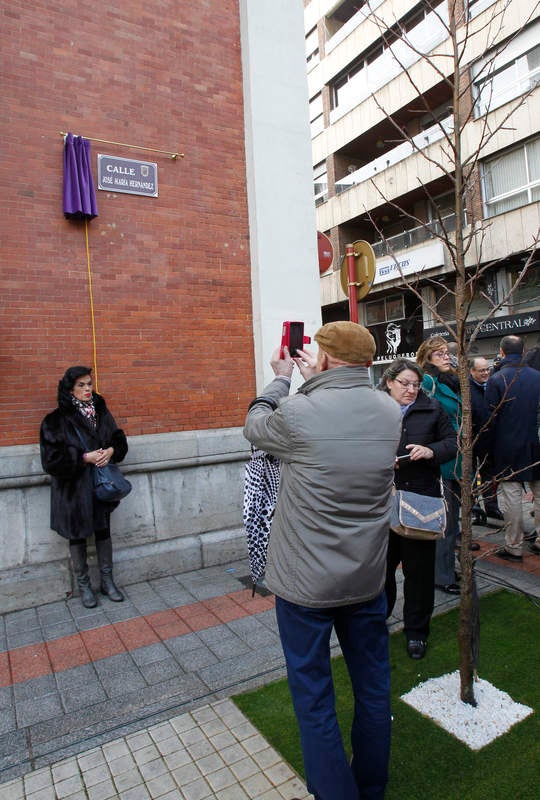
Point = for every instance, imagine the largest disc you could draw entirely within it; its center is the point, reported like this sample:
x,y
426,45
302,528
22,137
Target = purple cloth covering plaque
x,y
79,195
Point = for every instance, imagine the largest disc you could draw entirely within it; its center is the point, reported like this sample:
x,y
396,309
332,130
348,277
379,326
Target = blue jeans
x,y
445,560
363,636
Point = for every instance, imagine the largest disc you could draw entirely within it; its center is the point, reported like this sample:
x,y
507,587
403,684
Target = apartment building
x,y
380,77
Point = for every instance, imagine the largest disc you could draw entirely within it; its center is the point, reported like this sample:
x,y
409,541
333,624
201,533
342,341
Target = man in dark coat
x,y
513,397
478,377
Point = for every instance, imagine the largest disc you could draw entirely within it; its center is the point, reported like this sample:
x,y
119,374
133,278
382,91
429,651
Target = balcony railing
x,y
414,236
351,24
394,156
399,56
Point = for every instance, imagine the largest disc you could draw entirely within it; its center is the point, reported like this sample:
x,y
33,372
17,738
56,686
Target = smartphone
x,y
403,458
292,336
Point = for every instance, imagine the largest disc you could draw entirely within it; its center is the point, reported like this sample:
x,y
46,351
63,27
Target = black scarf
x,y
450,379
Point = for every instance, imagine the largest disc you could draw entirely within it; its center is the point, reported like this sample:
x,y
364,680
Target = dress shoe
x,y
448,588
494,513
503,553
474,546
529,537
534,548
416,648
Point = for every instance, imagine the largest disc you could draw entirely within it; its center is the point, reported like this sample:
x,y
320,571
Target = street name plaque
x,y
127,175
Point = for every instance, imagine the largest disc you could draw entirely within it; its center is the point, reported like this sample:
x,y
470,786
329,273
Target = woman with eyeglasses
x,y
427,440
441,382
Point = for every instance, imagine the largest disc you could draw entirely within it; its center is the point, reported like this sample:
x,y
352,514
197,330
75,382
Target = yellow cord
x,y
91,306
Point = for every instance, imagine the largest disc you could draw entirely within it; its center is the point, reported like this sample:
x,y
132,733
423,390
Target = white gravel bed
x,y
495,713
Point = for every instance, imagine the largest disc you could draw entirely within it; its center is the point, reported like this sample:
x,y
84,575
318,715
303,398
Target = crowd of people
x,y
345,449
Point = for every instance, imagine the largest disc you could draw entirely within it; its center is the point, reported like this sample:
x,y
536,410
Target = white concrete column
x,y
283,231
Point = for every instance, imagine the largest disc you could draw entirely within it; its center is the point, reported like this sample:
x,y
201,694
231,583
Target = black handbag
x,y
110,486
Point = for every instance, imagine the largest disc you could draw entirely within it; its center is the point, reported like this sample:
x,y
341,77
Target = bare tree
x,y
459,162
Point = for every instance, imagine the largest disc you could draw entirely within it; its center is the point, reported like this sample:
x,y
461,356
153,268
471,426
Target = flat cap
x,y
346,341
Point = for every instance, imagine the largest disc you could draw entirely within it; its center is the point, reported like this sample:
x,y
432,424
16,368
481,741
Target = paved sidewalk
x,y
130,700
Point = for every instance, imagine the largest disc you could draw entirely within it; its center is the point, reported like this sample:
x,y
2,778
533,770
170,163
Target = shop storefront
x,y
526,325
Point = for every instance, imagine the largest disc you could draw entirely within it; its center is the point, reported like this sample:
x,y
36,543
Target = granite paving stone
x,y
101,791
160,785
119,675
38,687
29,712
58,629
114,612
200,749
40,779
20,637
159,671
158,723
80,687
96,775
116,749
195,660
65,769
24,619
144,599
228,646
68,786
151,653
127,780
220,779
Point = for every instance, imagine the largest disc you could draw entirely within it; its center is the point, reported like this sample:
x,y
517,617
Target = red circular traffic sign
x,y
326,252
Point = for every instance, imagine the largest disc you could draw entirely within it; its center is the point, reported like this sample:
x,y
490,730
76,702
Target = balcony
x,y
414,236
351,24
394,156
399,56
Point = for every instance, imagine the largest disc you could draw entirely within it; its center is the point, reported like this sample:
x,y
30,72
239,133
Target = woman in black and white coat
x,y
427,440
77,435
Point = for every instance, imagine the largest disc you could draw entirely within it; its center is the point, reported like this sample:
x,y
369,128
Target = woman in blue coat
x,y
441,382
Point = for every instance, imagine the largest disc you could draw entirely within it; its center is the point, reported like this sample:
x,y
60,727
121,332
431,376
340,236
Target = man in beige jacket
x,y
336,439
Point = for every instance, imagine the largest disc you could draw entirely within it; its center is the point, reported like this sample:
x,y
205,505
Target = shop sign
x,y
400,339
516,324
127,175
409,262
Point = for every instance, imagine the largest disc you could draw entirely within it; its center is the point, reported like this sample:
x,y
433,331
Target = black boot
x,y
80,568
104,555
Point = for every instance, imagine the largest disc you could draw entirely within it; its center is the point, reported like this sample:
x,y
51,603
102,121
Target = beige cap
x,y
346,341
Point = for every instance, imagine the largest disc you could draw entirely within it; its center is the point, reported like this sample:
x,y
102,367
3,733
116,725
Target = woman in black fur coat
x,y
79,434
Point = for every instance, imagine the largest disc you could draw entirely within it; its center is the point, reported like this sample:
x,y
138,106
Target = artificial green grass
x,y
427,763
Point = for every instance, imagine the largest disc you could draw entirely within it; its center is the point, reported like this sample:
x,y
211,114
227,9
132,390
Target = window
x,y
316,118
320,183
508,72
512,180
312,48
477,6
386,310
527,293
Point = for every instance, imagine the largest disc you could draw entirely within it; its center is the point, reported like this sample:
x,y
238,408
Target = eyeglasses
x,y
408,384
441,353
484,369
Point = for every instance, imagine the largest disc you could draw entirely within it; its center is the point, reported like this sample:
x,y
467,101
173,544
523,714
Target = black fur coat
x,y
75,514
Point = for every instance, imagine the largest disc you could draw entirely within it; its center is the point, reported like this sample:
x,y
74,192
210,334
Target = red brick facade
x,y
171,275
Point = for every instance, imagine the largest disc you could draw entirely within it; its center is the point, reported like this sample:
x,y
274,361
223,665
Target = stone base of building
x,y
184,513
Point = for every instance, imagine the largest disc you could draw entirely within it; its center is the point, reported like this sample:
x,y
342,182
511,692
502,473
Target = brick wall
x,y
171,275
